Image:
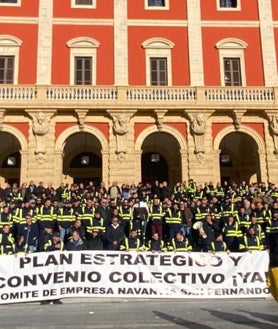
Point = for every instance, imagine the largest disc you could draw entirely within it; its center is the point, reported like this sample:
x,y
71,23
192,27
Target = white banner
x,y
42,276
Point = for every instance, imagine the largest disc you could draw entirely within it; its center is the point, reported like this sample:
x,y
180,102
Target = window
x,y
158,61
83,59
158,71
228,4
157,4
83,71
88,4
10,2
6,69
232,72
9,58
84,2
232,61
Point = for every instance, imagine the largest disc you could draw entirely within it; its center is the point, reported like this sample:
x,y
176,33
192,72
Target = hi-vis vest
x,y
180,245
62,217
173,219
126,216
156,213
131,244
254,245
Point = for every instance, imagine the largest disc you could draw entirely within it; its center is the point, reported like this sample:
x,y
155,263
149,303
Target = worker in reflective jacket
x,y
156,216
180,243
46,216
156,244
65,219
125,214
231,233
6,241
132,243
173,221
54,244
218,245
250,241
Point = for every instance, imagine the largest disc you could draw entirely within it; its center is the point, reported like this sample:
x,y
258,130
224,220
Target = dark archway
x,y
152,170
10,158
161,159
82,158
239,158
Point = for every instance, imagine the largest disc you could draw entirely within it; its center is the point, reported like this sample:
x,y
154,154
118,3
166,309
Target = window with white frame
x,y
6,69
83,70
228,5
83,4
158,58
232,62
83,60
9,59
232,71
158,67
157,4
10,3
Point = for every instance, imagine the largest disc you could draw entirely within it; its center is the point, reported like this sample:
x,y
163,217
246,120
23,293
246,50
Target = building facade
x,y
138,90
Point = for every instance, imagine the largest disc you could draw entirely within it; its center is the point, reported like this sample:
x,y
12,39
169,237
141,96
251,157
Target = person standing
x,y
54,244
115,235
65,219
95,240
30,232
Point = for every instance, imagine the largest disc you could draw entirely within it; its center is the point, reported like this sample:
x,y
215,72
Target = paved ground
x,y
137,314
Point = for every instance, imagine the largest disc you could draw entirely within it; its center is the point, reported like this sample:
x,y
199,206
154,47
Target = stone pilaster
x,y
268,43
195,44
120,43
44,57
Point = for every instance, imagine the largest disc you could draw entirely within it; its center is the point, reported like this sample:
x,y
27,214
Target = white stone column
x,y
44,56
105,168
120,43
58,176
268,43
184,165
24,167
195,45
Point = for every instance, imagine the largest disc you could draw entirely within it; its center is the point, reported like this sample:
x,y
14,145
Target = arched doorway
x,y
161,158
239,158
82,158
10,158
154,168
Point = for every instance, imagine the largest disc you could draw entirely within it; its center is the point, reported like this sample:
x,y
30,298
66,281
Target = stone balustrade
x,y
135,96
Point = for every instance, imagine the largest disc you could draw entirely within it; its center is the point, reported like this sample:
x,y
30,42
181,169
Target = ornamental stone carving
x,y
120,126
121,120
273,124
40,129
198,127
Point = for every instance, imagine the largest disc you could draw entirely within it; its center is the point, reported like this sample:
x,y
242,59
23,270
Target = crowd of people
x,y
143,217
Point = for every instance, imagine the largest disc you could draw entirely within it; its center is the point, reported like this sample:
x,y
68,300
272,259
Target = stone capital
x,y
81,117
237,115
160,114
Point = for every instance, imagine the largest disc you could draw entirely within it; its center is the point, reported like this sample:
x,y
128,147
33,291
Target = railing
x,y
18,92
241,95
161,94
143,96
81,93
